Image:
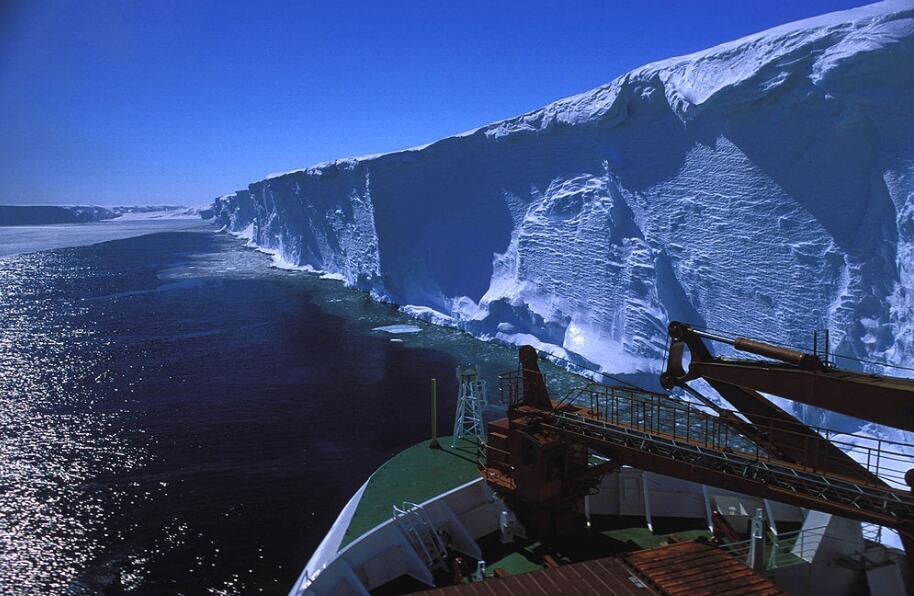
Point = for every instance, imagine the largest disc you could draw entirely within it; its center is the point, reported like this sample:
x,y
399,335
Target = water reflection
x,y
52,440
171,413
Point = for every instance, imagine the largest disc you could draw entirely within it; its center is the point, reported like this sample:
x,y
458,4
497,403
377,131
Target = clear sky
x,y
167,101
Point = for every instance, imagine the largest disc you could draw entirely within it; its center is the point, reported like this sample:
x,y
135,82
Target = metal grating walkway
x,y
851,476
660,433
884,506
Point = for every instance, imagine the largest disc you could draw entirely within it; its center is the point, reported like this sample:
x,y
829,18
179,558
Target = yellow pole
x,y
434,444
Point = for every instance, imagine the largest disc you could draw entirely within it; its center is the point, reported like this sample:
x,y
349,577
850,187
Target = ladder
x,y
414,522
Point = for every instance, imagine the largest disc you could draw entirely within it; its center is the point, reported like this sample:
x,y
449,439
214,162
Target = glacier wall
x,y
764,187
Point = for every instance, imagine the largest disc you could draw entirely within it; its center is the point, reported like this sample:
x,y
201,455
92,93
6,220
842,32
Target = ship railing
x,y
511,385
658,414
482,448
872,532
782,550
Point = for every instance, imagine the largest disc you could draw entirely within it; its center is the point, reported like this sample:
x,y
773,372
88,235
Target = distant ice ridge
x,y
764,187
162,212
30,215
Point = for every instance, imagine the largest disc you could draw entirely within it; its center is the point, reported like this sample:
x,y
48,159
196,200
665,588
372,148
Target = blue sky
x,y
160,101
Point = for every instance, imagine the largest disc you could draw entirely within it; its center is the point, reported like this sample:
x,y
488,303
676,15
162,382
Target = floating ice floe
x,y
398,329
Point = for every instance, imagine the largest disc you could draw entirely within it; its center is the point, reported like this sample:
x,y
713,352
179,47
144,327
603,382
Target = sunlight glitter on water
x,y
169,419
52,444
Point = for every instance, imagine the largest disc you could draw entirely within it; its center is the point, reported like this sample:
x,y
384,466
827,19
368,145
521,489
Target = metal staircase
x,y
414,522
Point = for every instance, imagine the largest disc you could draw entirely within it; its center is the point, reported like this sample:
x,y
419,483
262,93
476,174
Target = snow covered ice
x,y
25,229
398,329
16,215
764,187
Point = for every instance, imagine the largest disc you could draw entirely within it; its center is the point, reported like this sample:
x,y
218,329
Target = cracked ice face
x,y
762,188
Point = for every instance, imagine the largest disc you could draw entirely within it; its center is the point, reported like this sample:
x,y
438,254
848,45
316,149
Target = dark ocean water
x,y
178,417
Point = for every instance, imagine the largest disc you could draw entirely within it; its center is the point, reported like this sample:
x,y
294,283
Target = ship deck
x,y
420,473
415,475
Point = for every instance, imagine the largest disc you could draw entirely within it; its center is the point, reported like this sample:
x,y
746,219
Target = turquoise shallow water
x,y
180,417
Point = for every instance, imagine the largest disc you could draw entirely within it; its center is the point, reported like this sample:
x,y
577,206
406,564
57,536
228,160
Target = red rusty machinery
x,y
539,457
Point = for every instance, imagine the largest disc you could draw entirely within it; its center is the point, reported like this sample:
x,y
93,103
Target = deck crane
x,y
801,377
796,375
537,457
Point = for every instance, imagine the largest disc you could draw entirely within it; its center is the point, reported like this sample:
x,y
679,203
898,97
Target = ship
x,y
616,490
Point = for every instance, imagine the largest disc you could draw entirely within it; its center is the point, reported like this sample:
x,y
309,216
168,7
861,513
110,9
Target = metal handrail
x,y
662,414
784,549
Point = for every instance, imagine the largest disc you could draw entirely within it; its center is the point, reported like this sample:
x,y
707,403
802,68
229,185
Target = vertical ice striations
x,y
763,187
321,217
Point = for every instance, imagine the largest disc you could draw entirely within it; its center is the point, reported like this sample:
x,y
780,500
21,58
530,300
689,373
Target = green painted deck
x,y
415,475
420,473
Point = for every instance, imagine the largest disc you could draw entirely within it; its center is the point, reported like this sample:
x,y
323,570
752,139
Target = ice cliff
x,y
763,187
